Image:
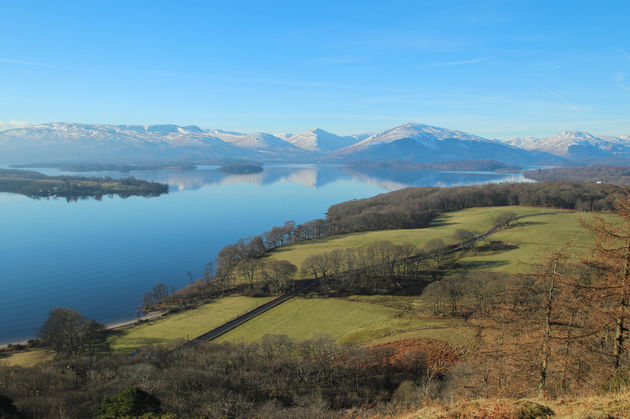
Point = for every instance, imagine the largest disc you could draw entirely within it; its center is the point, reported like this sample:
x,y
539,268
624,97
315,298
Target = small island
x,y
241,168
37,185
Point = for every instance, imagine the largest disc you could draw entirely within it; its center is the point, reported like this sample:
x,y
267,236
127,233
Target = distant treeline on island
x,y
459,165
110,167
614,175
37,185
241,168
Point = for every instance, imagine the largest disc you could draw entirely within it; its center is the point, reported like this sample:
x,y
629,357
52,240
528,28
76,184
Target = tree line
x,y
616,175
561,329
418,207
274,378
403,209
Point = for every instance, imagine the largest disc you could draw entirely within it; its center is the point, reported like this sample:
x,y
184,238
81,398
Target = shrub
x,y
132,401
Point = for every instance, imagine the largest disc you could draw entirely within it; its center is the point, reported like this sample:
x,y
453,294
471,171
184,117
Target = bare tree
x,y
505,218
67,332
435,249
464,237
248,268
611,256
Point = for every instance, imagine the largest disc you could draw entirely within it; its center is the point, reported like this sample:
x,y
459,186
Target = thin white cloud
x,y
562,98
451,63
625,53
13,124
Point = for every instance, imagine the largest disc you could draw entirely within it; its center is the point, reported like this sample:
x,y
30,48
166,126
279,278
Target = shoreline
x,y
152,315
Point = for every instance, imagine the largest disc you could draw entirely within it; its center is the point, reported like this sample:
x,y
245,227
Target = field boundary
x,y
226,327
234,323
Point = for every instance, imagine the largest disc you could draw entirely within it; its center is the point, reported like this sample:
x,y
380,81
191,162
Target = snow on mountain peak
x,y
407,141
576,144
316,139
425,134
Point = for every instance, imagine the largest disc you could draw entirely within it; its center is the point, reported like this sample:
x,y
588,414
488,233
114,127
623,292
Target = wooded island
x,y
37,185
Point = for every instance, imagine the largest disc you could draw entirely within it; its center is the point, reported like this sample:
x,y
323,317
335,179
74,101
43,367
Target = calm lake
x,y
101,257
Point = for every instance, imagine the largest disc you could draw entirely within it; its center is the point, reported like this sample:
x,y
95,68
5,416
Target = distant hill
x,y
138,144
319,140
120,143
576,145
261,141
615,175
425,143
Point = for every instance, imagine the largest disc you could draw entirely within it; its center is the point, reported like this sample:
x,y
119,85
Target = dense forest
x,y
615,175
37,185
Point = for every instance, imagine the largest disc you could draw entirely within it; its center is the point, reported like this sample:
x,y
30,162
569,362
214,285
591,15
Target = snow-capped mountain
x,y
96,142
417,142
319,140
522,142
577,145
426,134
55,142
259,141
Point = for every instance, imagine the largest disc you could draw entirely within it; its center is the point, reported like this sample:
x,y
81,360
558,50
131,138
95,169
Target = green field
x,y
356,320
369,319
373,319
188,324
534,236
474,219
27,359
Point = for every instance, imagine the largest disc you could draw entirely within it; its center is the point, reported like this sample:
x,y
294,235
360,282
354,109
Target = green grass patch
x,y
374,319
188,324
27,359
533,237
473,219
362,320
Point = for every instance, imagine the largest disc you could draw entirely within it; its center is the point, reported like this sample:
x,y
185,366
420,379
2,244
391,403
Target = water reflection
x,y
100,257
311,176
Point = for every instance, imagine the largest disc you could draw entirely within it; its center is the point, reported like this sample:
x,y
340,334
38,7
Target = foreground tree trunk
x,y
611,254
622,310
546,347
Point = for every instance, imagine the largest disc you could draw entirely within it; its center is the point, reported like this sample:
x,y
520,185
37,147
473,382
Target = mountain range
x,y
576,145
56,142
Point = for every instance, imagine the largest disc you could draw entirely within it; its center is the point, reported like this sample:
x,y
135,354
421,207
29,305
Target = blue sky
x,y
495,68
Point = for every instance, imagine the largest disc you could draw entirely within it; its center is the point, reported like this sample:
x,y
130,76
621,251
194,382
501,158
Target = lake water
x,y
101,257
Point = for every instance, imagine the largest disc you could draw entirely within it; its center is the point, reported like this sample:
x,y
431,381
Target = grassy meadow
x,y
533,237
365,320
371,319
27,359
362,319
188,324
474,219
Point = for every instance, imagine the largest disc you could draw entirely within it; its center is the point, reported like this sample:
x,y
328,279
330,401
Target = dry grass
x,y
27,359
612,405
